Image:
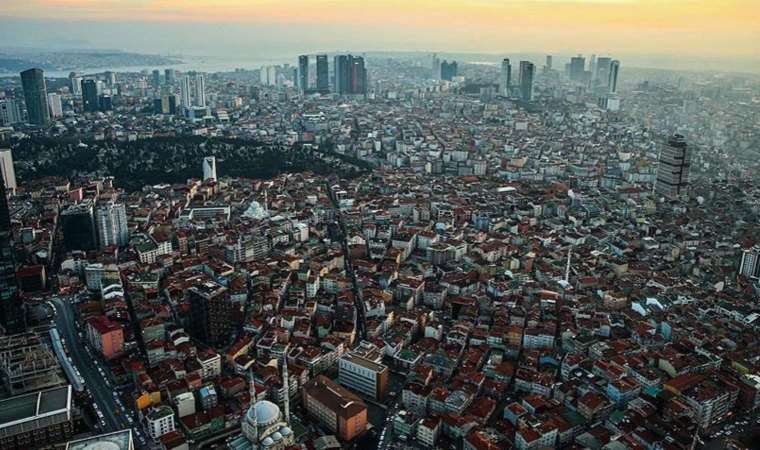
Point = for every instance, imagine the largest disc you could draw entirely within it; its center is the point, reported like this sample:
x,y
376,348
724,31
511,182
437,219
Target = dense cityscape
x,y
391,252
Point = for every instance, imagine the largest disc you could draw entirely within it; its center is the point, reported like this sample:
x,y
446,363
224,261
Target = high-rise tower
x,y
613,76
527,72
673,168
11,310
209,168
184,89
505,77
35,94
303,73
199,98
323,77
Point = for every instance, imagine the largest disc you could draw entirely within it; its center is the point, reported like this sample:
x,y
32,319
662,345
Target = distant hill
x,y
13,61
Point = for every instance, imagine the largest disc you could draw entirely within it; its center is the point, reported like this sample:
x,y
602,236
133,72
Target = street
x,y
97,384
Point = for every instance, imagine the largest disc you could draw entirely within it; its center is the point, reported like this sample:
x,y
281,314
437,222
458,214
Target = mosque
x,y
264,427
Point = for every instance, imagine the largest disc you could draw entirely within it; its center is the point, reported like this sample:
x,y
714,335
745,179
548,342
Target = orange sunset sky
x,y
676,27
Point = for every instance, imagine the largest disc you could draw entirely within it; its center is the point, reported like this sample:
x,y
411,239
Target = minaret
x,y
286,384
252,391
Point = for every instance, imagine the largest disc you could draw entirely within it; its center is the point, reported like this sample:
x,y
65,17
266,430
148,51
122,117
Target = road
x,y
361,327
101,392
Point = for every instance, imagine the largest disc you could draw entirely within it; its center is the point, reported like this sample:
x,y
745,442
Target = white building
x,y
363,376
211,362
111,223
209,168
54,102
160,422
6,168
185,404
184,88
10,112
749,267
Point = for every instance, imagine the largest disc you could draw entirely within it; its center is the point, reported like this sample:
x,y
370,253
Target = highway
x,y
101,392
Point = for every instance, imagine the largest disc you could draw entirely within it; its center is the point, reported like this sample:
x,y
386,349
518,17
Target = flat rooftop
x,y
118,440
27,407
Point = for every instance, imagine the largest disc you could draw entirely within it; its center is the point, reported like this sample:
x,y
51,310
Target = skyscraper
x,y
111,223
11,310
613,77
303,73
111,78
209,168
602,70
169,76
199,98
350,75
577,68
548,63
75,83
6,169
185,92
35,94
673,168
527,72
56,107
342,73
323,74
448,70
156,80
436,67
90,95
358,76
505,77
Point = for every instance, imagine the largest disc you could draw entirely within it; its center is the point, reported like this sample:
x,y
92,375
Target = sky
x,y
728,29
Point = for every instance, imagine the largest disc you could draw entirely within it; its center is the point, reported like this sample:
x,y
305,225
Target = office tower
x,y
105,103
303,73
358,76
323,74
750,263
548,63
527,72
436,67
169,76
110,78
214,315
505,77
11,310
78,225
156,80
90,96
158,106
173,101
342,69
613,77
56,107
448,70
673,168
75,83
35,94
602,71
6,169
350,75
200,91
10,113
209,168
184,89
111,223
577,68
592,66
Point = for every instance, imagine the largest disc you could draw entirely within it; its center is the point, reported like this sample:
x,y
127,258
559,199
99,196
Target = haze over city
x,y
379,225
688,32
